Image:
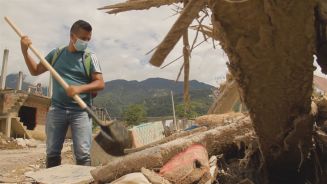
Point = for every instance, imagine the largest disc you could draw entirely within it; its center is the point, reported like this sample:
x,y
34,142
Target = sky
x,y
120,41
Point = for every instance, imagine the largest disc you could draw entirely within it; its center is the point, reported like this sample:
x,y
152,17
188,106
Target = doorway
x,y
27,115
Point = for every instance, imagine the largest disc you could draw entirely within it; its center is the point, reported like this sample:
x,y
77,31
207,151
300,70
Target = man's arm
x,y
97,84
33,67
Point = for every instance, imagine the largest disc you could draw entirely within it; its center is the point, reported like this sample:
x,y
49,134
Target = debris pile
x,y
189,166
270,47
184,158
8,143
31,143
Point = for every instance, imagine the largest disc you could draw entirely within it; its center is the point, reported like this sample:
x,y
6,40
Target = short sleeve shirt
x,y
70,67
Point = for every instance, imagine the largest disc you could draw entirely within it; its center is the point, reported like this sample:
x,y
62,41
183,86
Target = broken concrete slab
x,y
64,174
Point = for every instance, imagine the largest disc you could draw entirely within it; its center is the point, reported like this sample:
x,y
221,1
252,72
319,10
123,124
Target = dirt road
x,y
15,162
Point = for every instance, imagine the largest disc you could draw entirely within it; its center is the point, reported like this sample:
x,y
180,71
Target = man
x,y
38,89
69,62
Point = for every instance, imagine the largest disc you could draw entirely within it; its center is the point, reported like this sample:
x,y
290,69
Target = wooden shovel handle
x,y
53,72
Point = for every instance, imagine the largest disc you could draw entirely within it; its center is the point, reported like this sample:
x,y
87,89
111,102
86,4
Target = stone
x,y
64,174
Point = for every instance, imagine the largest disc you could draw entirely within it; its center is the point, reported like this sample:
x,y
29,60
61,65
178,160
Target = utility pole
x,y
4,69
173,104
19,81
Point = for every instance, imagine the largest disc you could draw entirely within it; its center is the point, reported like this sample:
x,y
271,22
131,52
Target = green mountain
x,y
154,94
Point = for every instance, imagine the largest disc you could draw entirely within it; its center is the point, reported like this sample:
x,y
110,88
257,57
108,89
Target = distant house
x,y
23,113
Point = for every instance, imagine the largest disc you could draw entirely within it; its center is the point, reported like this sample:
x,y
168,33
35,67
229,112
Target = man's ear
x,y
71,37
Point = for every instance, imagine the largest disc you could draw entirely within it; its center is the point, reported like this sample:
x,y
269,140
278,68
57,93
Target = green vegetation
x,y
196,109
134,114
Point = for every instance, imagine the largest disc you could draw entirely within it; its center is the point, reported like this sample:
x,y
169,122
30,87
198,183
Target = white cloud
x,y
120,41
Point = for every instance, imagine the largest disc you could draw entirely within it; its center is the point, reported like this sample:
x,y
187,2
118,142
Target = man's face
x,y
81,34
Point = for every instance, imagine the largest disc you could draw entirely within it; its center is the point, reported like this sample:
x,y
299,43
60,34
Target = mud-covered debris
x,y
188,166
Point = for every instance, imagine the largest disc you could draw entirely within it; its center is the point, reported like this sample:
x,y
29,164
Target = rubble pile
x,y
8,143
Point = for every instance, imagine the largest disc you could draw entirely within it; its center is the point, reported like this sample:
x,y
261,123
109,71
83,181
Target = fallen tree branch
x,y
189,13
137,5
207,30
214,140
215,120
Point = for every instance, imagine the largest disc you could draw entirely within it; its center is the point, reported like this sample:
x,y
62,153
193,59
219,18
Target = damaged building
x,y
22,113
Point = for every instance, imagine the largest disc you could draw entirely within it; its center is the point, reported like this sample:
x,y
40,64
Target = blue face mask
x,y
80,45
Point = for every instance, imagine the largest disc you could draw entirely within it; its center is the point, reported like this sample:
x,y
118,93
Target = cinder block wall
x,y
41,110
8,100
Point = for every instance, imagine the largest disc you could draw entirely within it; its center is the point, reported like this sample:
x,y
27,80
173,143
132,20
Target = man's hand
x,y
24,43
73,90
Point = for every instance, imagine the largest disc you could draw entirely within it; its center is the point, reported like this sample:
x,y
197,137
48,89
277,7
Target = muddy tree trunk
x,y
270,45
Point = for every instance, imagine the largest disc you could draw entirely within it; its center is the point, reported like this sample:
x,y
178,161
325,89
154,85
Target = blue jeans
x,y
58,120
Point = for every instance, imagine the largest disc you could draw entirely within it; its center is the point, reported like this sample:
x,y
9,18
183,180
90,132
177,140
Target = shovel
x,y
112,132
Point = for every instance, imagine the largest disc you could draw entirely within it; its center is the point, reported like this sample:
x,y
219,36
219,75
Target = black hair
x,y
80,24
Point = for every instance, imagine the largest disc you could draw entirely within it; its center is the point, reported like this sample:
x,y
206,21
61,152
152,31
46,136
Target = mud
x,y
270,45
